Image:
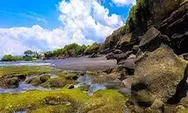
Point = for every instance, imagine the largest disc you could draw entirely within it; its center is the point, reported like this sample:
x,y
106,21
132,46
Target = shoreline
x,y
72,63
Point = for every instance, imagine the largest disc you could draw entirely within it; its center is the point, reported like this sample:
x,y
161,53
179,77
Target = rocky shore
x,y
147,71
151,51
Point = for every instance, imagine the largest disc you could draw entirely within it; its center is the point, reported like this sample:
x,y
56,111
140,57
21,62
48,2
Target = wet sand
x,y
84,63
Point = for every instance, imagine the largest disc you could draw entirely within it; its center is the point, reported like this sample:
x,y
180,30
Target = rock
x,y
161,9
108,70
128,64
44,78
176,27
110,56
113,84
74,77
55,83
34,81
117,51
10,82
161,73
184,56
127,82
69,86
125,43
122,56
135,49
21,77
179,43
112,40
93,56
157,104
177,22
152,40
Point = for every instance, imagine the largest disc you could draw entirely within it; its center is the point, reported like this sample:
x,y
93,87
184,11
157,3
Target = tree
x,y
11,58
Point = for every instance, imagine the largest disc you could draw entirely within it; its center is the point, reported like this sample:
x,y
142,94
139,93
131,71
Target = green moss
x,y
59,82
33,100
107,101
34,81
140,4
25,70
104,102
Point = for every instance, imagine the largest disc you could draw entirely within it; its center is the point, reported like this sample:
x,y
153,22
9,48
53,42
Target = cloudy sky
x,y
49,24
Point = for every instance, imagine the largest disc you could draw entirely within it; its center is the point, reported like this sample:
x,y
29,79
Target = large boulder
x,y
152,40
159,75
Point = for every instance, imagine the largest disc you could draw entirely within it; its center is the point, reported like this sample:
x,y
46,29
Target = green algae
x,y
25,70
63,101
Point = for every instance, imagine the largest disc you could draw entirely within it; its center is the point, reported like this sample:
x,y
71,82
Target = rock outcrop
x,y
156,36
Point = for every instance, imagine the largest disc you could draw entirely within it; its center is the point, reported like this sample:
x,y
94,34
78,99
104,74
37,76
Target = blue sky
x,y
43,25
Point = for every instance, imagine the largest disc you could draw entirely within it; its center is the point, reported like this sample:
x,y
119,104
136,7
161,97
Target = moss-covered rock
x,y
160,73
100,103
59,82
12,82
34,81
44,78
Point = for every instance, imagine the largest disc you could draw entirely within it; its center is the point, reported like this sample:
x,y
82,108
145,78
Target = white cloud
x,y
83,22
124,2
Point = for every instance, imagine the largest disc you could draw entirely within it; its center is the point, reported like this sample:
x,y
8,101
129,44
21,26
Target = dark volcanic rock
x,y
110,56
184,56
177,22
122,56
152,40
117,51
176,27
94,55
179,43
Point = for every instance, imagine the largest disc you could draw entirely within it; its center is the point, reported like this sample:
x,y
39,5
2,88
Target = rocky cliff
x,y
151,50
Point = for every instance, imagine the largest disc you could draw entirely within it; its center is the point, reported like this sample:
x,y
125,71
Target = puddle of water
x,y
95,87
53,76
20,112
22,87
88,81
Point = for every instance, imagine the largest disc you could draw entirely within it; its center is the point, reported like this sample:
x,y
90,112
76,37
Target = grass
x,y
106,101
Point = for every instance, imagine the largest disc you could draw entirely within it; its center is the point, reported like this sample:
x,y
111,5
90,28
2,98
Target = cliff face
x,y
151,50
146,13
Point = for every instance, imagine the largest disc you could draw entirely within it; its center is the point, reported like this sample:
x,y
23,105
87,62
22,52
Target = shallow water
x,y
88,81
22,87
82,81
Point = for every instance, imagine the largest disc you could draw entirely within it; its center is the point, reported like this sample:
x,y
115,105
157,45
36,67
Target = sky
x,y
43,25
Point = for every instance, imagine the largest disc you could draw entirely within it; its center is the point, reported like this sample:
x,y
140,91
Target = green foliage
x,y
132,19
72,50
30,55
11,58
94,48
